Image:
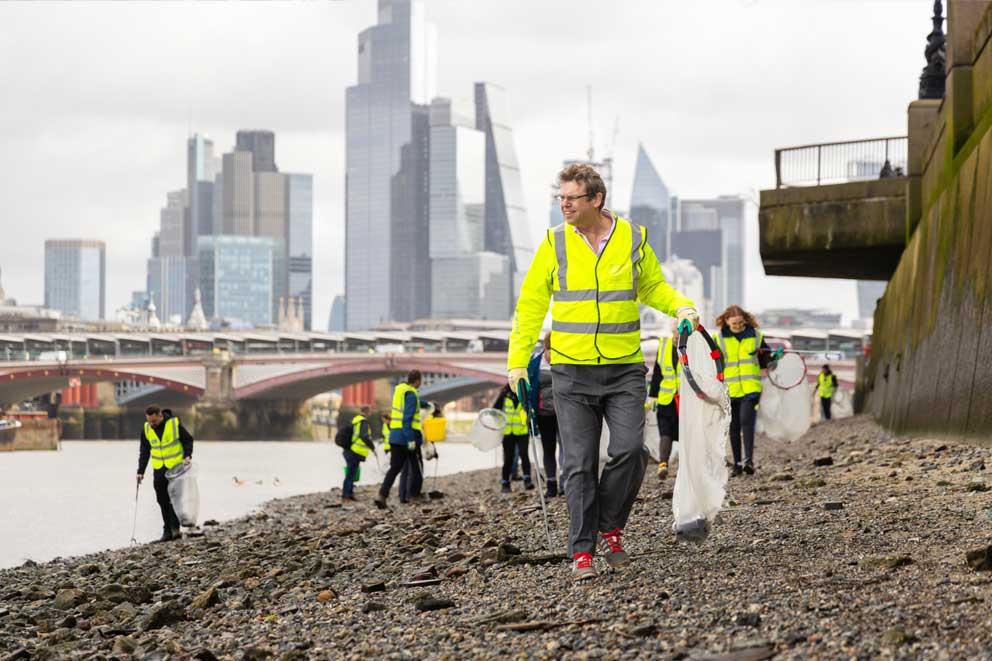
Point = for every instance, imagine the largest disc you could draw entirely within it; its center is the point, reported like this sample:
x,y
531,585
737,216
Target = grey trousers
x,y
584,396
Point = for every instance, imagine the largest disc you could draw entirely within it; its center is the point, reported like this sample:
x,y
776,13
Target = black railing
x,y
839,162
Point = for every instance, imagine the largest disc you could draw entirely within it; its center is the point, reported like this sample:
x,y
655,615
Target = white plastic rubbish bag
x,y
704,425
487,430
184,493
785,415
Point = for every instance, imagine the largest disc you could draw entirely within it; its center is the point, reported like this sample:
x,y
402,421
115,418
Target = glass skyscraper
x,y
387,272
726,214
236,278
299,219
75,277
650,203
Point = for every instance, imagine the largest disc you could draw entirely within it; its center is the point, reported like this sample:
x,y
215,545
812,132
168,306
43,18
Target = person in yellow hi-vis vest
x,y
746,353
356,453
662,397
826,386
594,270
404,436
516,438
165,443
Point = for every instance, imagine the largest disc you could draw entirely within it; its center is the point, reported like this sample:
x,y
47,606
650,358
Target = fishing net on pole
x,y
785,409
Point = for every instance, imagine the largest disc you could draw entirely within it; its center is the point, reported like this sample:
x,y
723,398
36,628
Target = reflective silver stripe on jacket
x,y
635,257
612,296
668,390
583,328
562,256
744,377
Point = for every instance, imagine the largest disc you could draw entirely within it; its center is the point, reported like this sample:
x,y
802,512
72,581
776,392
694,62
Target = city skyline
x,y
707,139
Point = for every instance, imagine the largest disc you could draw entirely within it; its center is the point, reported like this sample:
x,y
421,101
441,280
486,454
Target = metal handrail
x,y
839,162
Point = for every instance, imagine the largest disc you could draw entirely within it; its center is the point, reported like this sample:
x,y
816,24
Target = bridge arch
x,y
310,381
20,384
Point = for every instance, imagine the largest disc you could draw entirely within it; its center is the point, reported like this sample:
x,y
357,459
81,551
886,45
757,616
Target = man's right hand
x,y
140,477
515,376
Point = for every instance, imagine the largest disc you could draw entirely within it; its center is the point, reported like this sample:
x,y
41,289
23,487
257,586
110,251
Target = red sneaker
x,y
615,555
582,568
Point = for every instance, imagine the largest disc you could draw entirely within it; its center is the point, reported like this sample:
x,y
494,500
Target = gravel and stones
x,y
900,570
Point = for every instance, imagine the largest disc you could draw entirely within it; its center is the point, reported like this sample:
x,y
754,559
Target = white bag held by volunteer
x,y
184,493
704,426
784,409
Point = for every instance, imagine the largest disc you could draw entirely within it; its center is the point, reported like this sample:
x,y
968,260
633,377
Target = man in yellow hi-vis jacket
x,y
594,270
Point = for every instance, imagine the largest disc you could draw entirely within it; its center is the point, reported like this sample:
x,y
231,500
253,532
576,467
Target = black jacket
x,y
145,448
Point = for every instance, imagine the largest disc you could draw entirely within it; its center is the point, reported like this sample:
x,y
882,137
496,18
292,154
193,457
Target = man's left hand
x,y
187,461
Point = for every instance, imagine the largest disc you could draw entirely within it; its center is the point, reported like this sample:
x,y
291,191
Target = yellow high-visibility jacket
x,y
595,319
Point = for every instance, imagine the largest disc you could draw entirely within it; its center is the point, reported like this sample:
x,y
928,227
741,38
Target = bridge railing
x,y
840,162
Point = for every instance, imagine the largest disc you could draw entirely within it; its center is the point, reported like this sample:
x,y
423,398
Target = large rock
x,y
70,598
206,599
162,615
980,559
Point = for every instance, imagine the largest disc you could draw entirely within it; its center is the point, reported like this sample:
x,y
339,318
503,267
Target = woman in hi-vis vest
x,y
746,354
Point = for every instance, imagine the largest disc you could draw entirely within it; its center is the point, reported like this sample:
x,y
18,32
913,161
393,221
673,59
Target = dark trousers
x,y
668,429
825,403
412,477
170,521
399,456
548,426
352,462
743,415
519,443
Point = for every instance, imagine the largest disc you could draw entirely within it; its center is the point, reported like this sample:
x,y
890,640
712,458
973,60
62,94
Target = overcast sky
x,y
98,99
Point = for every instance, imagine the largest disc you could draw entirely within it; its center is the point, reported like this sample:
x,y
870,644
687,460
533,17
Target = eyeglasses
x,y
570,198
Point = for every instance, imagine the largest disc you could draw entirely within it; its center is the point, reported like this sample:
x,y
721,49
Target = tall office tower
x,y
335,321
650,203
238,191
75,277
507,228
457,168
262,145
171,283
869,291
236,278
299,220
471,286
171,235
201,170
387,270
466,281
724,213
706,250
270,222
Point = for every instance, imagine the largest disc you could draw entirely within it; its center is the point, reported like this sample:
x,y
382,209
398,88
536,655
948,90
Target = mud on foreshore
x,y
847,543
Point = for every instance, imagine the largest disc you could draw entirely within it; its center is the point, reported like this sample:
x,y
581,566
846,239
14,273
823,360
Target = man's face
x,y
154,419
575,204
736,324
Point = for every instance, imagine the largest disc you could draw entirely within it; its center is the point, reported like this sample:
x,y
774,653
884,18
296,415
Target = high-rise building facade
x,y
650,203
238,195
172,282
75,277
507,227
171,236
270,221
236,275
299,219
471,286
457,179
725,214
201,169
386,144
262,145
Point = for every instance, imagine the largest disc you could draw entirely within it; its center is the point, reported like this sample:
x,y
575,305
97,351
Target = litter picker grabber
x,y
134,526
524,396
